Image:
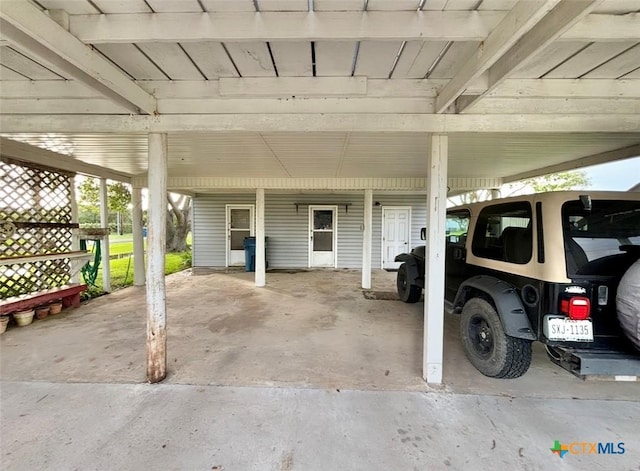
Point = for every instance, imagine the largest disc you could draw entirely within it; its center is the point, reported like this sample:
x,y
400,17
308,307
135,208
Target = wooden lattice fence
x,y
35,220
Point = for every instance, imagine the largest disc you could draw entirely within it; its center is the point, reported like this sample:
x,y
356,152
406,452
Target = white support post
x,y
434,260
261,262
138,239
156,249
495,193
75,239
104,222
366,239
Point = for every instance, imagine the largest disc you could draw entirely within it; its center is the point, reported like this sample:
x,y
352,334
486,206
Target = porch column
x,y
366,239
138,239
104,222
75,239
156,248
434,259
260,265
495,193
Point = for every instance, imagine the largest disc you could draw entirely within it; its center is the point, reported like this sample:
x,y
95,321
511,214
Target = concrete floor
x,y
276,378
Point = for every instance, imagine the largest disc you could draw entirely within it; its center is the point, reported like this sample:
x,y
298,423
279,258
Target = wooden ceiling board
x,y
619,66
73,7
434,5
338,5
634,74
588,59
8,74
252,59
25,66
554,54
497,5
395,5
211,59
175,6
417,57
376,58
122,6
457,55
228,5
132,61
292,58
617,7
334,58
463,5
283,5
172,60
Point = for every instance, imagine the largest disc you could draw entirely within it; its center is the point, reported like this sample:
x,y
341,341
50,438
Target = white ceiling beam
x,y
293,86
209,184
581,106
274,26
36,155
567,88
604,157
600,28
548,29
346,122
40,37
348,25
522,17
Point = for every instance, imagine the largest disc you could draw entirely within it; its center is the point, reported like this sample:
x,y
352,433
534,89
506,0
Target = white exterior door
x,y
240,224
396,234
322,236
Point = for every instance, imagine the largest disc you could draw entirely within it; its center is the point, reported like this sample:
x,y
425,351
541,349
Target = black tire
x,y
407,292
487,347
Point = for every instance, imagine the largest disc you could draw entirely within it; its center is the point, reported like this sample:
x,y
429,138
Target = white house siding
x,y
418,205
288,230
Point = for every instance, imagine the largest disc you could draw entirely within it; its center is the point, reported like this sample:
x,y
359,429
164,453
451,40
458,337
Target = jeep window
x,y
504,232
598,241
457,227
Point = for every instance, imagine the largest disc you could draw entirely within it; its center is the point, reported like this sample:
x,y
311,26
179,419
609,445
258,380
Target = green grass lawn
x,y
122,271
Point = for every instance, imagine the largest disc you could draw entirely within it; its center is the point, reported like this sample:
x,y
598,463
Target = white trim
x,y
334,208
319,122
410,208
367,238
227,236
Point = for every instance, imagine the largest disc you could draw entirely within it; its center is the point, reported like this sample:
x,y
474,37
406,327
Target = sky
x,y
620,175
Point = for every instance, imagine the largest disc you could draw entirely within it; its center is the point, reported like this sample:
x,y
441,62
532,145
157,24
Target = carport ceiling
x,y
356,84
325,155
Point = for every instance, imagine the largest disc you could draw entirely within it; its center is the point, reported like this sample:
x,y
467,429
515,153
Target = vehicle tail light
x,y
577,307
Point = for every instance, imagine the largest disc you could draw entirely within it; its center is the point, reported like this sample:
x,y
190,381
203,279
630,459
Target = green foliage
x,y
118,198
574,180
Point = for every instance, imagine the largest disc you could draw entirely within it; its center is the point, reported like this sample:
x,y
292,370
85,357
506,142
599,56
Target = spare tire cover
x,y
628,304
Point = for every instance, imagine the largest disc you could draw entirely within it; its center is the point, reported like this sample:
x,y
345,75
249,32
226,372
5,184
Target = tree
x,y
118,200
178,222
571,180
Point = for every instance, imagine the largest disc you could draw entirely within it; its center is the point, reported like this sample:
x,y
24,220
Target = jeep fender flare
x,y
508,304
412,265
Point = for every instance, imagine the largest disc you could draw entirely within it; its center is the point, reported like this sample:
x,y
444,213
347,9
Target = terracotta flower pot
x,y
23,317
42,312
4,320
55,308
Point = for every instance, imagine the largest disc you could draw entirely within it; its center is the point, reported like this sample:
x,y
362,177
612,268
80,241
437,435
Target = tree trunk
x,y
178,224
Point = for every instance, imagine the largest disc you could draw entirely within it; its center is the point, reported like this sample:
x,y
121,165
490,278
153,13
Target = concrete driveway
x,y
303,374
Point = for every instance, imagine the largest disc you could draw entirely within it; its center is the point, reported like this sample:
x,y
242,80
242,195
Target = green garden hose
x,y
90,270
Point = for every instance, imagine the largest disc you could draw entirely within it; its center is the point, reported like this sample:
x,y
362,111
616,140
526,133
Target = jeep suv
x,y
545,268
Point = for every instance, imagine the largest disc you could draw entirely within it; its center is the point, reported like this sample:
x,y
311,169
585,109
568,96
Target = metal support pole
x,y
261,262
138,239
366,239
156,248
434,259
104,222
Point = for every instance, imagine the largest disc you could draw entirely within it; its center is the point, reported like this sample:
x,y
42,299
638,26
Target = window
x,y
504,232
596,241
457,226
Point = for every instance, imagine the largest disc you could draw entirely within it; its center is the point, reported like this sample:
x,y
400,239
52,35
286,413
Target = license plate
x,y
562,328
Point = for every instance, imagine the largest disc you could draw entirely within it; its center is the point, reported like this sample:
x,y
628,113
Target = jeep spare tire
x,y
628,304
